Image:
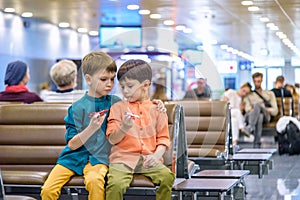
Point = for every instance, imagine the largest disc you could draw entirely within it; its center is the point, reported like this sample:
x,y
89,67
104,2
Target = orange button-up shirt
x,y
148,131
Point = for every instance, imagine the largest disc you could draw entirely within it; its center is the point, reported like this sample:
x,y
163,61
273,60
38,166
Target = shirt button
x,y
141,129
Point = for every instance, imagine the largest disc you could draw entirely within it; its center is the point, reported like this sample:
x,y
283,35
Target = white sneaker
x,y
249,139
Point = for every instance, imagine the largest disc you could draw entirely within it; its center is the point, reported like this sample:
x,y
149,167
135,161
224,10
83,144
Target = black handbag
x,y
267,104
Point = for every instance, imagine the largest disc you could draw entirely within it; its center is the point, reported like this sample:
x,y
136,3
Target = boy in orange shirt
x,y
139,135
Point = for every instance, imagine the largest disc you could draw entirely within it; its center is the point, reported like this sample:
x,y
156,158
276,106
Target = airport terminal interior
x,y
223,42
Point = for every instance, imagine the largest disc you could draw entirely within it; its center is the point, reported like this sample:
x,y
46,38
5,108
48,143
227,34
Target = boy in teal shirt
x,y
87,149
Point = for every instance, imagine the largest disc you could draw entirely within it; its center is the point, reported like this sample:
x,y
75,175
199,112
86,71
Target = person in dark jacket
x,y
202,91
16,79
279,90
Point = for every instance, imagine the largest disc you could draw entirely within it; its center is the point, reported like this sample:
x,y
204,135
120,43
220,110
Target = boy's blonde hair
x,y
95,61
63,73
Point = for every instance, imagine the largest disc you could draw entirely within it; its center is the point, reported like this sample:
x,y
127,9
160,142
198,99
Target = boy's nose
x,y
110,82
125,90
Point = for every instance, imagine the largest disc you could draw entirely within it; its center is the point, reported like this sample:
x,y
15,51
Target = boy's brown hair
x,y
95,61
135,69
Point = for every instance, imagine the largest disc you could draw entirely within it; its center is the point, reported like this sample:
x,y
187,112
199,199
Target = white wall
x,y
38,44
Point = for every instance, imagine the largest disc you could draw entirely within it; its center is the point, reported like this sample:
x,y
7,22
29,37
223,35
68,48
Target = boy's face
x,y
133,90
101,83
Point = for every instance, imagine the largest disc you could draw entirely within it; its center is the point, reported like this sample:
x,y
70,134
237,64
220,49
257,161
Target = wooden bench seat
x,y
32,137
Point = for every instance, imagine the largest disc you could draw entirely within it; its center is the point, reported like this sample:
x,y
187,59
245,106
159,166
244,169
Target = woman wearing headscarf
x,y
16,79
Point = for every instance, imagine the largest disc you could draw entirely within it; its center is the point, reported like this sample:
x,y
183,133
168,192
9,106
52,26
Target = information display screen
x,y
120,36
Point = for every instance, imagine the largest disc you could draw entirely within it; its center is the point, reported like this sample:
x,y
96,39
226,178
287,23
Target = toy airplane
x,y
133,116
101,113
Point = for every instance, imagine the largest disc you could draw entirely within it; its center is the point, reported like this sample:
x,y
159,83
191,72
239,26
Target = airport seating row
x,y
208,130
207,127
33,136
287,106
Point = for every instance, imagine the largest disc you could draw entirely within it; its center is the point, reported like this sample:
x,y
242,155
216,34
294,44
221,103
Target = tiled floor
x,y
282,183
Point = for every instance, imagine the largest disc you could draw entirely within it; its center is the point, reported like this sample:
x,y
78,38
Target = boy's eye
x,y
103,79
112,79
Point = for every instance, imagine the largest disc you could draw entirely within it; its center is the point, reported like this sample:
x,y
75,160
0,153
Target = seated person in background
x,y
296,99
202,91
260,105
44,88
64,75
16,78
237,118
292,89
139,135
160,90
297,87
279,90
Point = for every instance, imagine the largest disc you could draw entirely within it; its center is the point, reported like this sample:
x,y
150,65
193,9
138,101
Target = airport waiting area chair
x,y
32,137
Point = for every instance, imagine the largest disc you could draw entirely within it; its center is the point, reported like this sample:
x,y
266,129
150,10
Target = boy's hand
x,y
127,123
160,105
96,121
150,160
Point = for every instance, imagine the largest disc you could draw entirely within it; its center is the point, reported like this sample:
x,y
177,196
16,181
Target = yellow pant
x,y
120,177
60,175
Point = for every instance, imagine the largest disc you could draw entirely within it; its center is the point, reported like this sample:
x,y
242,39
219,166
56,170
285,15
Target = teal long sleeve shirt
x,y
96,150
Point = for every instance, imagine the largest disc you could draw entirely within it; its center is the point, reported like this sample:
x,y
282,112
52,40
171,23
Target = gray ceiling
x,y
227,21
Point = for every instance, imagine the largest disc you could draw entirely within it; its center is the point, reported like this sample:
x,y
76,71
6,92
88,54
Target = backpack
x,y
289,140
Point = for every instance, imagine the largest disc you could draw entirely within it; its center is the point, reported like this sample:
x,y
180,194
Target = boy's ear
x,y
88,79
147,83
